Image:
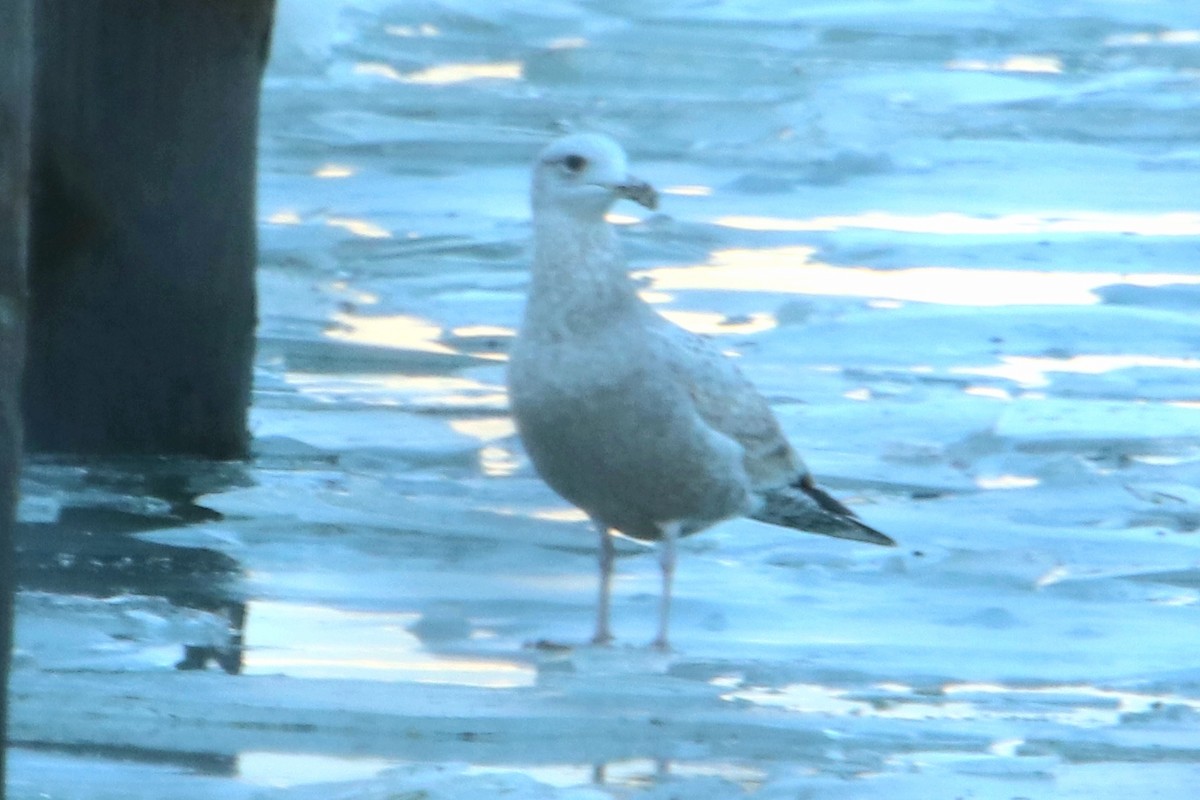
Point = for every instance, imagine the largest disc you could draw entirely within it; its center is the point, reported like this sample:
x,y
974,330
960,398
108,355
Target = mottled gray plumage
x,y
645,426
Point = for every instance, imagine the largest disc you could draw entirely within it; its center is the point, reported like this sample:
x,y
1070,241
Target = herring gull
x,y
646,427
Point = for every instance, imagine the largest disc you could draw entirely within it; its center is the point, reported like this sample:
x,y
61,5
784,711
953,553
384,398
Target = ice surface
x,y
953,242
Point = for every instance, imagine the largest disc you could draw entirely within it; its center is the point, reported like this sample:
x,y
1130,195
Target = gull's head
x,y
584,174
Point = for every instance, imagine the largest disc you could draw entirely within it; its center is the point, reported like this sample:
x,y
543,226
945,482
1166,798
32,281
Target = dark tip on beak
x,y
639,192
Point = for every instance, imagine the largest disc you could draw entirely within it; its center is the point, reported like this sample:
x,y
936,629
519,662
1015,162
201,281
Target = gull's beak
x,y
638,191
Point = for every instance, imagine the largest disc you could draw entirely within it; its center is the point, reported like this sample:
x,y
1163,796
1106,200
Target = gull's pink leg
x,y
607,556
666,560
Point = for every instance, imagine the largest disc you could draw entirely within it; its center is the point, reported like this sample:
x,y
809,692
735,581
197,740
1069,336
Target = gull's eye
x,y
575,163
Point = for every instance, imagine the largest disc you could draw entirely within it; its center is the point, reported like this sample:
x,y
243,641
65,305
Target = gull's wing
x,y
729,403
726,400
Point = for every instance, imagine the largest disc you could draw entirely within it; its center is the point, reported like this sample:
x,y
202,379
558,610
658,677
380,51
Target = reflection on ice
x,y
1099,706
713,322
993,392
487,342
485,429
567,43
435,393
560,514
1152,38
458,73
284,218
1190,455
497,462
1172,223
306,641
412,31
1006,481
632,773
472,331
1073,705
1026,63
378,70
621,219
1033,371
792,270
802,697
359,227
688,191
407,332
264,768
445,73
495,459
334,171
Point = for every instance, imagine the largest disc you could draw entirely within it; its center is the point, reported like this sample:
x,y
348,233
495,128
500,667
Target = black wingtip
x,y
872,536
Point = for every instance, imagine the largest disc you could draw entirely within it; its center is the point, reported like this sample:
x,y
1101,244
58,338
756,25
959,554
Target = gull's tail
x,y
805,506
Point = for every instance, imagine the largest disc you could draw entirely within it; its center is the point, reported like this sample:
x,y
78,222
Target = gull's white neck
x,y
580,278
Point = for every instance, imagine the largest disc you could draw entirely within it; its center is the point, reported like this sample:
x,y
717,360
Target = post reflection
x,y
79,540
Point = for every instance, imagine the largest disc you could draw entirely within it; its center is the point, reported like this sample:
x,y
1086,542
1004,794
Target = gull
x,y
645,426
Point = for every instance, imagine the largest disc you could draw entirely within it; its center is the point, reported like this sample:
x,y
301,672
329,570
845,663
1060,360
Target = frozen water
x,y
953,242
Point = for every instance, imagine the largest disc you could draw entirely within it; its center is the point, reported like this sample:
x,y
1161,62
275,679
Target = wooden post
x,y
16,74
142,294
